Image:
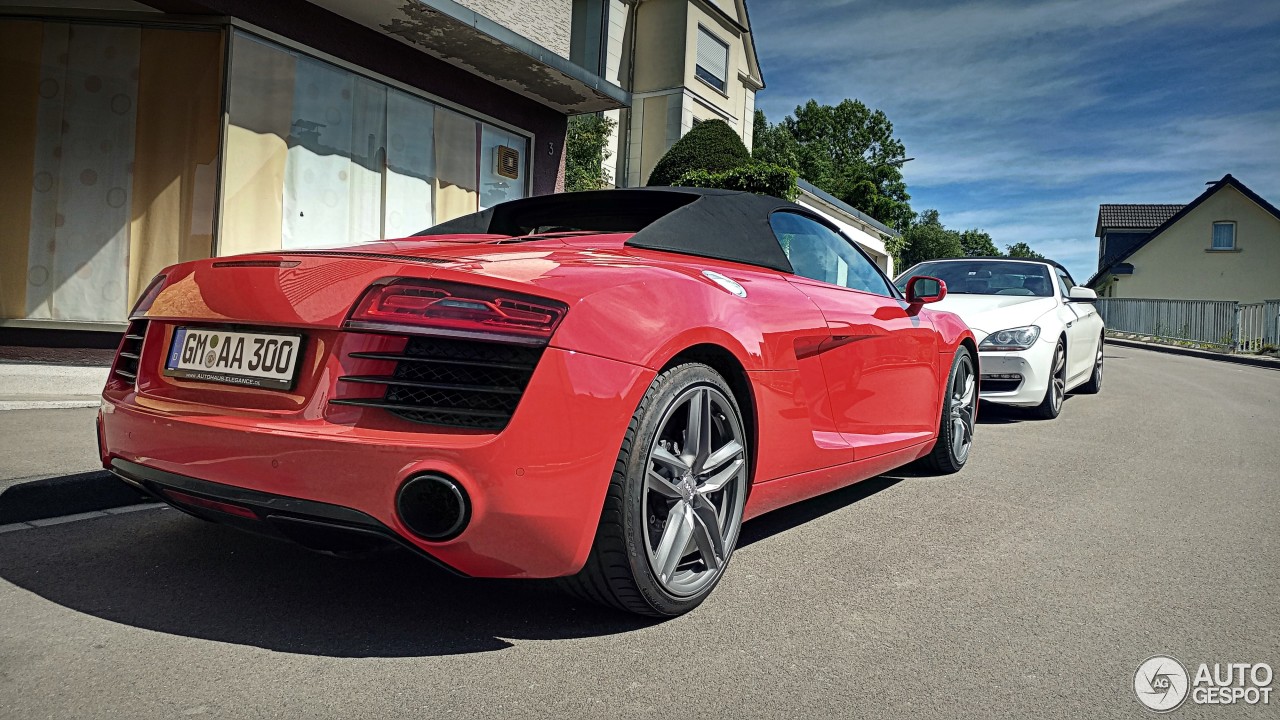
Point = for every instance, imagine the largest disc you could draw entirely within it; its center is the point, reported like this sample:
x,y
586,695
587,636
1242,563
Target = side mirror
x,y
923,289
1081,294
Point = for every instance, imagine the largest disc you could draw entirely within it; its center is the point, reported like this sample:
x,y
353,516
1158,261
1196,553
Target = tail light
x,y
456,310
148,297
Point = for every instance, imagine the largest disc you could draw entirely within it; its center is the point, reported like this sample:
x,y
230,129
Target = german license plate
x,y
253,359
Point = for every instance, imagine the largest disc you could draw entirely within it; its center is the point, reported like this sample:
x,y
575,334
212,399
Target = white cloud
x,y
1024,116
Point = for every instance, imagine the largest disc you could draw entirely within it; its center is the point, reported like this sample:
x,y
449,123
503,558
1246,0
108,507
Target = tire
x,y
673,511
1056,392
959,412
1094,385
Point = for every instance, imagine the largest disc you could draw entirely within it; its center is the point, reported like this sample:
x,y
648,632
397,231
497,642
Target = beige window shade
x,y
20,48
176,151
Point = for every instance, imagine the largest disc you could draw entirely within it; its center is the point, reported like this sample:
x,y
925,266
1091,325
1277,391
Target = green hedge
x,y
711,145
761,178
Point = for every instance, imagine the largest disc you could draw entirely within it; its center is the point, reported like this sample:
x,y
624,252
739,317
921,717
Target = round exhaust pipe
x,y
433,506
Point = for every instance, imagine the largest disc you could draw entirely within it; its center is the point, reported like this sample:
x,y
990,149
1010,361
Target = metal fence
x,y
1218,323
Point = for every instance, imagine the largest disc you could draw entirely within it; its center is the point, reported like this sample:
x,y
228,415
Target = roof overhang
x,y
857,216
460,36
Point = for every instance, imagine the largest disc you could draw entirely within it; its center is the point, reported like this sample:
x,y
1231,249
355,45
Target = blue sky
x,y
1024,115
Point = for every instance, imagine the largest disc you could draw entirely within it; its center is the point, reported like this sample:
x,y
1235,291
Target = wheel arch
x,y
967,342
724,362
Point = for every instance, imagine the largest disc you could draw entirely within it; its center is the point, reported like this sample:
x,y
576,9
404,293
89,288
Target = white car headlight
x,y
1019,338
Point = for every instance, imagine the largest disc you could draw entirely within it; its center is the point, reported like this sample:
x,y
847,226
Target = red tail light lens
x,y
148,297
457,310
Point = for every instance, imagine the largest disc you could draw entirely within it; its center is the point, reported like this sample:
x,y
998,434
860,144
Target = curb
x,y
49,404
1191,352
66,495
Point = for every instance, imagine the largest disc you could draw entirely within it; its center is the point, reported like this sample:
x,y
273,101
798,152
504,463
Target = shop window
x,y
109,163
319,156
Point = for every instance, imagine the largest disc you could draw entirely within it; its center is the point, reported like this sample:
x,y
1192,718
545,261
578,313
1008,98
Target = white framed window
x,y
713,59
1224,236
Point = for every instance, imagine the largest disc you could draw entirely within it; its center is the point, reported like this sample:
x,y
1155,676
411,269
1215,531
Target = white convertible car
x,y
1039,335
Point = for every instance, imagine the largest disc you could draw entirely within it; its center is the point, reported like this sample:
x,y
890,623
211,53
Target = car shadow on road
x,y
990,413
166,572
791,516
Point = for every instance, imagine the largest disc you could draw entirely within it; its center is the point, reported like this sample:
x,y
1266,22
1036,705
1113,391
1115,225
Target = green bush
x,y
711,145
759,178
586,149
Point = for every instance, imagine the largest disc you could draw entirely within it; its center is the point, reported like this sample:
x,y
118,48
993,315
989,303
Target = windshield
x,y
985,277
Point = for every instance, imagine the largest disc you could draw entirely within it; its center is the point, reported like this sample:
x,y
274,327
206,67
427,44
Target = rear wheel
x,y
1095,380
959,410
673,511
1051,406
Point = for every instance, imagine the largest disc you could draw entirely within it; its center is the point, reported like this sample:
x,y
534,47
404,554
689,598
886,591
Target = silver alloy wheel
x,y
695,488
1059,377
964,399
1097,369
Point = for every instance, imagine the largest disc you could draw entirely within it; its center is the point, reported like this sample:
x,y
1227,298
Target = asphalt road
x,y
1145,520
37,443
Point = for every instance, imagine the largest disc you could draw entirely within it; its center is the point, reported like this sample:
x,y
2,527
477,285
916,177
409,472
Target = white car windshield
x,y
985,277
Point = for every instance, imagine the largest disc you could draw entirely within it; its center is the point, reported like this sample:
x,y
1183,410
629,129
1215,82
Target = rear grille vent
x,y
458,383
130,351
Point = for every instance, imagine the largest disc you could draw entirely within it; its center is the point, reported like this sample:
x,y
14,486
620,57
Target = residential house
x,y
140,134
1224,245
683,61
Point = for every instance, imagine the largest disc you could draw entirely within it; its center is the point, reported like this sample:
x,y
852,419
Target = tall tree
x,y
585,152
1022,250
773,144
977,243
848,150
927,239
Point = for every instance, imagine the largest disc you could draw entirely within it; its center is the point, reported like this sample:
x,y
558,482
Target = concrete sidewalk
x,y
32,386
49,466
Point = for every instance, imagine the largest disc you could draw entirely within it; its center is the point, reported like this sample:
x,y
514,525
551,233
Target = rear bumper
x,y
320,526
536,488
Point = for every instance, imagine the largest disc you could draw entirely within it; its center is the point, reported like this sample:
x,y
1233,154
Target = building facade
x,y
683,61
140,135
1224,245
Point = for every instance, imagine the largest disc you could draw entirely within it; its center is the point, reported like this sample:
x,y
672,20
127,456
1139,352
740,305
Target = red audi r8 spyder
x,y
597,386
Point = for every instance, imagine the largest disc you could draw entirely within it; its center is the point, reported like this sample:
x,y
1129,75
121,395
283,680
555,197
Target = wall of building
x,y
660,45
1178,264
666,67
546,22
705,101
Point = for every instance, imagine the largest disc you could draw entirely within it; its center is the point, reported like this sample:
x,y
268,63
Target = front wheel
x,y
1094,386
959,410
673,511
1051,406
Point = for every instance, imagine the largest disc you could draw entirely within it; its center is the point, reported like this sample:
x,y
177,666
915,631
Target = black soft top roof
x,y
721,224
